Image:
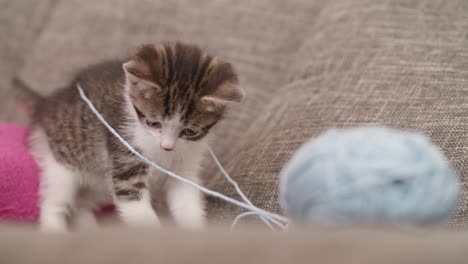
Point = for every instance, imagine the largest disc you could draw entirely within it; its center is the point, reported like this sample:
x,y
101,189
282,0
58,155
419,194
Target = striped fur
x,y
184,75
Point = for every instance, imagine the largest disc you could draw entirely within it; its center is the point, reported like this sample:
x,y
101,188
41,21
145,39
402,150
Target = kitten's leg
x,y
186,204
84,218
86,200
58,189
132,198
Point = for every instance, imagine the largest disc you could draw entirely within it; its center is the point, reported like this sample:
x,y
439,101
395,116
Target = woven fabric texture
x,y
306,66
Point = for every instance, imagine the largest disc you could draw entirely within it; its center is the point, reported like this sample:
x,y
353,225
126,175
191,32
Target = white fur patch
x,y
170,132
59,185
186,205
84,218
138,212
185,202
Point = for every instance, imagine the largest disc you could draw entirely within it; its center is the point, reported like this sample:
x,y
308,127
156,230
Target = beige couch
x,y
307,65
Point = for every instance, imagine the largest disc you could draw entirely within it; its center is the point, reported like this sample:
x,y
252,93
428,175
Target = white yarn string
x,y
243,215
248,206
241,193
250,213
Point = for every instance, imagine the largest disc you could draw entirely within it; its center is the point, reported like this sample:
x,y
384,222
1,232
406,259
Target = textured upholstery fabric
x,y
20,23
396,63
241,32
258,37
306,66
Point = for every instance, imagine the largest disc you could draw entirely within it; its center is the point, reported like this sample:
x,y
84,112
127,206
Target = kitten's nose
x,y
168,144
167,148
169,136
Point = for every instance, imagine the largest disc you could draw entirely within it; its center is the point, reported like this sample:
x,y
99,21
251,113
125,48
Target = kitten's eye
x,y
155,124
188,132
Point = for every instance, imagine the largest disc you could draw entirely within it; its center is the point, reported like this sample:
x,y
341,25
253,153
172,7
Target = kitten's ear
x,y
222,84
225,93
136,75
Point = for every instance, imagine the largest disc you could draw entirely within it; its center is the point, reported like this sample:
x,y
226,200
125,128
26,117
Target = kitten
x,y
164,100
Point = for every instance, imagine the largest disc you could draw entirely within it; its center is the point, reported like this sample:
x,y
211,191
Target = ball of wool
x,y
369,175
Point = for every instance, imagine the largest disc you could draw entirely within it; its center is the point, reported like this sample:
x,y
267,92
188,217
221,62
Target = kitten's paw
x,y
140,218
85,219
186,205
138,213
190,217
52,225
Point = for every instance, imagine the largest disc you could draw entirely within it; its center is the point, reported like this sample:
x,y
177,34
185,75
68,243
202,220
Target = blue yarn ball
x,y
369,175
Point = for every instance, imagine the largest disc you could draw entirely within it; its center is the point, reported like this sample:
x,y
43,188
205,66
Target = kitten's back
x,y
72,130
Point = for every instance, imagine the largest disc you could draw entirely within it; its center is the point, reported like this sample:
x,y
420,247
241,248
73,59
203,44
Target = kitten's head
x,y
178,91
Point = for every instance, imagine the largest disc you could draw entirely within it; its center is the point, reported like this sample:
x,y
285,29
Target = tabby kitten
x,y
164,100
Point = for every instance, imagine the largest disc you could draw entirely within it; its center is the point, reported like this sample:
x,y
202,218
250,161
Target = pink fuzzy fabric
x,y
19,176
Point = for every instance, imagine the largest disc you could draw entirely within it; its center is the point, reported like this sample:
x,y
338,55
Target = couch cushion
x,y
396,63
20,23
306,66
258,37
